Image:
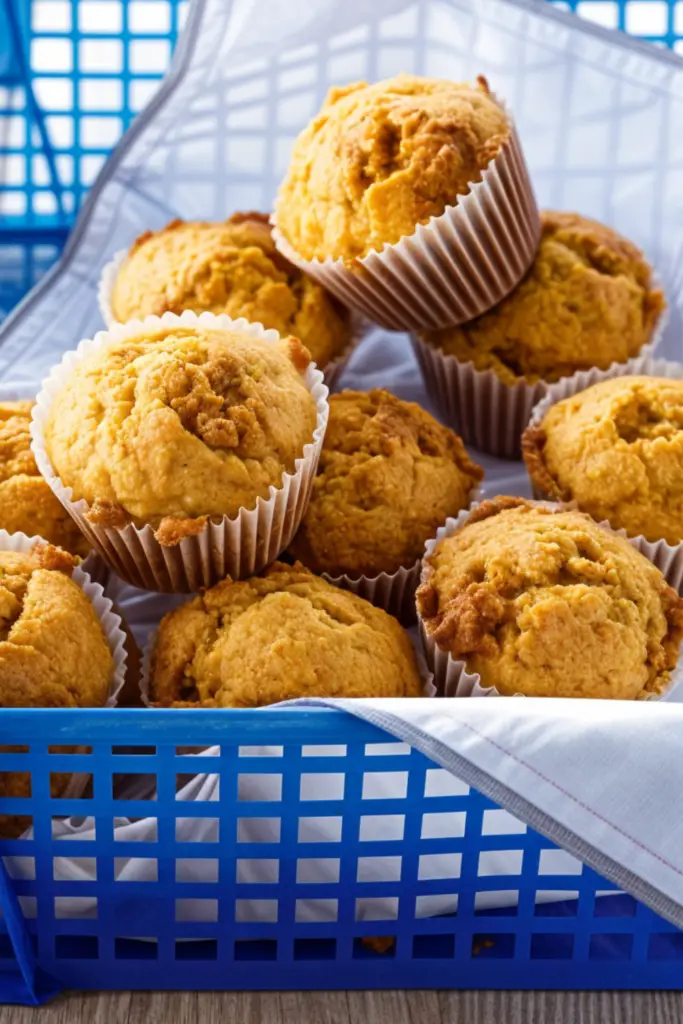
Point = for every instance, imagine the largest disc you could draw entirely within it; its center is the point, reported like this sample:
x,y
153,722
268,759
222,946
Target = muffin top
x,y
53,651
389,475
231,268
546,603
180,423
284,634
616,449
587,300
380,159
27,505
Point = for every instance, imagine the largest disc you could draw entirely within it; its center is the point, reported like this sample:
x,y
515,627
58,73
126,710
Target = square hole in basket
x,y
259,830
8,781
198,751
558,862
665,946
76,947
204,949
315,949
444,825
315,911
143,831
433,947
253,788
379,828
439,865
385,785
500,862
214,781
29,906
21,867
386,749
439,782
376,908
260,751
196,910
256,949
310,870
498,903
501,823
549,903
127,786
552,946
64,787
76,907
136,869
133,751
488,946
436,905
257,870
323,750
610,947
329,786
374,946
197,830
256,911
379,869
196,869
136,949
74,869
614,904
61,829
320,830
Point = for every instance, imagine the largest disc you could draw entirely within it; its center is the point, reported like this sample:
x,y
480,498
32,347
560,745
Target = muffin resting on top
x,y
231,268
546,603
587,300
389,475
27,505
284,634
179,424
380,159
616,449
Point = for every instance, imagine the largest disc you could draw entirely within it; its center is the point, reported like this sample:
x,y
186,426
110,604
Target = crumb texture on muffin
x,y
234,268
546,603
389,475
616,449
27,505
587,300
380,159
274,637
182,423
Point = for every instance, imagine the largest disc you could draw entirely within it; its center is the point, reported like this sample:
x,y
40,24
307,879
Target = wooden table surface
x,y
355,1008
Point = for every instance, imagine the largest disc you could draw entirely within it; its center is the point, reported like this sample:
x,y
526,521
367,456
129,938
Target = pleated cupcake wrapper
x,y
237,547
451,269
451,677
488,414
331,372
394,592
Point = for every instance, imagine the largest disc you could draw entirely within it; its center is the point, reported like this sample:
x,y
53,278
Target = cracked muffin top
x,y
178,424
53,651
389,475
616,449
277,636
231,268
587,300
27,505
380,159
544,602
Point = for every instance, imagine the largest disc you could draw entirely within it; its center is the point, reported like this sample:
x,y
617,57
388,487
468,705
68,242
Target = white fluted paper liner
x,y
331,371
488,414
236,547
451,677
667,557
451,269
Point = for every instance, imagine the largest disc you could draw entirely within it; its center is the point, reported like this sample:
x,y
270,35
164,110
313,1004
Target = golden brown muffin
x,y
616,449
587,300
389,475
546,603
27,505
380,159
284,634
231,268
179,424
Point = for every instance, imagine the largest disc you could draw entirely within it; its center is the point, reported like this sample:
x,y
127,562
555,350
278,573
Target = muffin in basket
x,y
234,268
389,475
542,601
616,449
284,634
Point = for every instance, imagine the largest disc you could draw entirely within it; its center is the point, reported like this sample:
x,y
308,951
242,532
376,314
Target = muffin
x,y
234,268
389,475
180,423
275,637
380,159
27,505
616,449
544,602
587,300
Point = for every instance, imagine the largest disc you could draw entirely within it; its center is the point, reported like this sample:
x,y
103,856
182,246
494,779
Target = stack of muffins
x,y
194,447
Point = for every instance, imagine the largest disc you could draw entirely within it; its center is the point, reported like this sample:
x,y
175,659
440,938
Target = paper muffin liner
x,y
488,414
451,269
451,677
331,371
237,547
